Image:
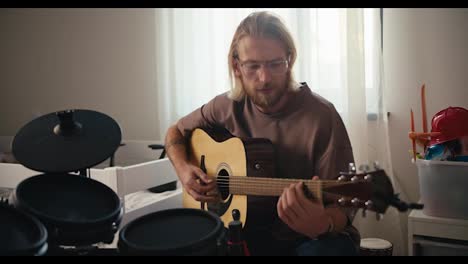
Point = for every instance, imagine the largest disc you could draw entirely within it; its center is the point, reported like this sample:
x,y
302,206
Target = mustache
x,y
265,87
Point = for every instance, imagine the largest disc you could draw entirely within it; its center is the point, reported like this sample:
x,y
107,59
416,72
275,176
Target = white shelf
x,y
420,224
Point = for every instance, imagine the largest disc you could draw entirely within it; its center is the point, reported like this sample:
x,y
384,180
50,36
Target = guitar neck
x,y
270,186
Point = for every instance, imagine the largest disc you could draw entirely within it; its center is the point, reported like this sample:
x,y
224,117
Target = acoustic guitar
x,y
245,167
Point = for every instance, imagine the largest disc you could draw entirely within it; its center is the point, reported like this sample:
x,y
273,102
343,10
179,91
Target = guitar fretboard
x,y
269,186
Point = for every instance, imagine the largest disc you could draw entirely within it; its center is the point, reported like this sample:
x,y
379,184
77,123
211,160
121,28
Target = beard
x,y
266,100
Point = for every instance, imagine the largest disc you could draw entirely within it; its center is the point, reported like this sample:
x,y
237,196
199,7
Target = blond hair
x,y
260,24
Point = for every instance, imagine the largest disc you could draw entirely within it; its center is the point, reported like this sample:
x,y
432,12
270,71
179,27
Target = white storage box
x,y
443,186
136,169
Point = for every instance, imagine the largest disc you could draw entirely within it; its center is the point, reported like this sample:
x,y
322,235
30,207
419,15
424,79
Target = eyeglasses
x,y
274,67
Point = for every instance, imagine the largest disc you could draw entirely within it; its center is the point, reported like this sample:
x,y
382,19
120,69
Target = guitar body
x,y
223,156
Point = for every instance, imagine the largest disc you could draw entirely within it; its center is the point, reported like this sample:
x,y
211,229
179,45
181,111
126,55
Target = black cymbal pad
x,y
66,141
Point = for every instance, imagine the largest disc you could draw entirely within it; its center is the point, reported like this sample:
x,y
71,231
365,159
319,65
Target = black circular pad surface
x,y
19,232
68,199
172,231
40,145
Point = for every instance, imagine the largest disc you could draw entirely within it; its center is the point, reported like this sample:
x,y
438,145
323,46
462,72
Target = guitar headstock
x,y
368,189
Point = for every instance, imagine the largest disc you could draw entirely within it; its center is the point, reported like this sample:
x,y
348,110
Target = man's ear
x,y
236,68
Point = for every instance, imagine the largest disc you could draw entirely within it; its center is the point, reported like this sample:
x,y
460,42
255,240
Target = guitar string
x,y
239,182
242,186
235,181
268,188
263,186
245,178
275,188
292,181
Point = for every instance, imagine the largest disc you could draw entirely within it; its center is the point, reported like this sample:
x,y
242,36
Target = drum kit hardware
x,y
62,212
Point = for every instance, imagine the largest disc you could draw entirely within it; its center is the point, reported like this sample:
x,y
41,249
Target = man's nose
x,y
264,74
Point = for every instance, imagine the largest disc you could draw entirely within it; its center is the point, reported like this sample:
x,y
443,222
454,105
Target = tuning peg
x,y
342,201
364,168
342,178
376,165
352,168
378,216
369,205
355,179
356,202
368,177
364,212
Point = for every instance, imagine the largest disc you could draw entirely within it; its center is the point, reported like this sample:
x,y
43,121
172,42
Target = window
x,y
192,48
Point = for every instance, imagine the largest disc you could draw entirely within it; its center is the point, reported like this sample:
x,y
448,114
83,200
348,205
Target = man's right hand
x,y
194,180
196,183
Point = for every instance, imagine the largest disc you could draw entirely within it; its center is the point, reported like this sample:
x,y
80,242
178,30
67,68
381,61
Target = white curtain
x,y
369,136
339,56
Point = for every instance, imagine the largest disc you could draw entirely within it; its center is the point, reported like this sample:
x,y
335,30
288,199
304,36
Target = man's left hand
x,y
300,213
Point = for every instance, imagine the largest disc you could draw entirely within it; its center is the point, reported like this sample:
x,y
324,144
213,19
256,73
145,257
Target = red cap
x,y
451,122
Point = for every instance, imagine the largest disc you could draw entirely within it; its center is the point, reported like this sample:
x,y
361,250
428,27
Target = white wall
x,y
100,59
422,46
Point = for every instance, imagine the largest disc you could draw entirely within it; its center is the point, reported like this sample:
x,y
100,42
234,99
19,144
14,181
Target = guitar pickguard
x,y
219,208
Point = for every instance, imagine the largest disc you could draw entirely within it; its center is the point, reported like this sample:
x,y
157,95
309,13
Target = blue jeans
x,y
338,245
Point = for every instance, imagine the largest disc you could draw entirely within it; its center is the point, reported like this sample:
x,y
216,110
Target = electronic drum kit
x,y
62,211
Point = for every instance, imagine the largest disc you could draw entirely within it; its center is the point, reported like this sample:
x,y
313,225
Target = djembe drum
x,y
375,247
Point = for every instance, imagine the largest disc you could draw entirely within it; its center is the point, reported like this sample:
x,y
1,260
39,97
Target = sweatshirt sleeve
x,y
337,155
207,116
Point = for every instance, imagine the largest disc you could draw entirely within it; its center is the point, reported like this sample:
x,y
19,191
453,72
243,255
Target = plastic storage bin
x,y
444,188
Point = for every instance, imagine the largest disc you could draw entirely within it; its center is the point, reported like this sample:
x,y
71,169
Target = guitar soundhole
x,y
223,183
220,208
